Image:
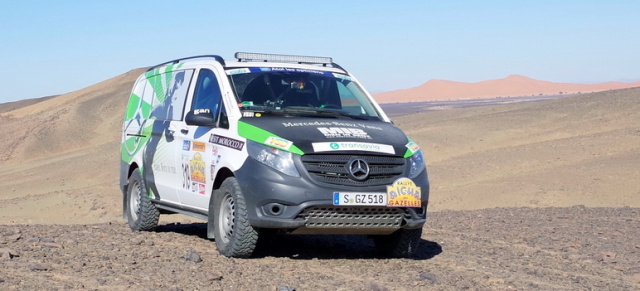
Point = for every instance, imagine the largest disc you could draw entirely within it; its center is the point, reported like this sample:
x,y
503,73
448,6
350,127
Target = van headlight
x,y
272,157
416,164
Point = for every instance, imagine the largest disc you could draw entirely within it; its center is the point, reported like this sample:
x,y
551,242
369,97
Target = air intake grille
x,y
352,217
334,169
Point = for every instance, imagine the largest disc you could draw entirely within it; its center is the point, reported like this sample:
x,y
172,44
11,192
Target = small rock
x,y
215,277
51,245
101,281
10,252
38,267
428,277
14,237
47,240
5,257
193,256
632,271
372,286
285,288
1,280
150,243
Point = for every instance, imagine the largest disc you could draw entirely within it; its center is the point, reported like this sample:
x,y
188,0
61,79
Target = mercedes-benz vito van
x,y
264,142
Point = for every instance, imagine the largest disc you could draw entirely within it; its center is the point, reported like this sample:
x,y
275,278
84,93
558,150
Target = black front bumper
x,y
276,200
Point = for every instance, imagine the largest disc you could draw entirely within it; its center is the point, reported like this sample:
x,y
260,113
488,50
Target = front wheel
x,y
234,236
401,244
142,214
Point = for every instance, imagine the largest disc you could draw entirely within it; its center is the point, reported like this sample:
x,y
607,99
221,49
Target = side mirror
x,y
200,117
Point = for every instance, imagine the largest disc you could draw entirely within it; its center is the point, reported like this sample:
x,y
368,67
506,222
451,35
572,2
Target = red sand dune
x,y
511,86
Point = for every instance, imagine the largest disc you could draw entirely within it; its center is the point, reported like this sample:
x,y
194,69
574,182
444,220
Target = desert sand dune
x,y
511,86
59,157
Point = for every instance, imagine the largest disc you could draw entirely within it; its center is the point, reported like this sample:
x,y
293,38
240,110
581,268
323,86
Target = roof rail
x,y
216,57
260,57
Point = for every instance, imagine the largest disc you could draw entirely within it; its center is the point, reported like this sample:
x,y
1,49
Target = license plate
x,y
359,199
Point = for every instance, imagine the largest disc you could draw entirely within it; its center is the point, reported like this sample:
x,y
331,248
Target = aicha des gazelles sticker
x,y
404,193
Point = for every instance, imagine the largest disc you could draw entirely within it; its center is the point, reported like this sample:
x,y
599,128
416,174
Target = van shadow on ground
x,y
306,247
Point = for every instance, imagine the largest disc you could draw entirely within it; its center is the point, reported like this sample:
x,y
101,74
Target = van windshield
x,y
302,91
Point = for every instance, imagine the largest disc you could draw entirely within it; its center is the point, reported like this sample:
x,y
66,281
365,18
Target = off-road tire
x,y
401,244
142,214
234,236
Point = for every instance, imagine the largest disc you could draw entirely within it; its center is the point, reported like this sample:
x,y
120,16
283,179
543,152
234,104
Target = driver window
x,y
207,94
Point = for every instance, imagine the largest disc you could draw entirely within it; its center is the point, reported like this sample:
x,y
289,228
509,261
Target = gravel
x,y
574,248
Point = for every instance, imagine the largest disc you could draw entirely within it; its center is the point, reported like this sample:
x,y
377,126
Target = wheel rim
x,y
134,200
227,217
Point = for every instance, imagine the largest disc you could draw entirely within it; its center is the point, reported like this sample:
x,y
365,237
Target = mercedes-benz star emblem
x,y
359,169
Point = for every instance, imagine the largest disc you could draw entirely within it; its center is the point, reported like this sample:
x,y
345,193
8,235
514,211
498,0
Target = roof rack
x,y
216,57
260,57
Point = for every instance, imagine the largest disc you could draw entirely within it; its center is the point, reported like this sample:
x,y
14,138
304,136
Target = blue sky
x,y
55,47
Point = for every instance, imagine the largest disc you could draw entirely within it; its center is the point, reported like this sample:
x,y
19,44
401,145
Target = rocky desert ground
x,y
525,196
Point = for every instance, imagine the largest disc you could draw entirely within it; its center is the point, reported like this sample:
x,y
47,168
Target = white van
x,y
268,141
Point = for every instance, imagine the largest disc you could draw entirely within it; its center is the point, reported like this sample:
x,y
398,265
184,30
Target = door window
x,y
208,96
169,92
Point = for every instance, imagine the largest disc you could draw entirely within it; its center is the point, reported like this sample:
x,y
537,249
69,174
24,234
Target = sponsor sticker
x,y
186,172
330,124
280,143
186,145
199,146
352,146
413,147
227,142
198,188
343,132
196,165
201,111
403,193
238,71
213,170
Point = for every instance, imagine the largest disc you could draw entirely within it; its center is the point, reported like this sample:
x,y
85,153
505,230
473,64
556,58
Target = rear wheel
x,y
234,236
401,244
142,214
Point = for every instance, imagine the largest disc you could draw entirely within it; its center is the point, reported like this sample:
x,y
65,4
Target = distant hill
x,y
9,106
511,86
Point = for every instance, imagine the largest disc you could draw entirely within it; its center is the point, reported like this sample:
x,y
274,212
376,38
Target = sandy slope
x,y
59,157
576,150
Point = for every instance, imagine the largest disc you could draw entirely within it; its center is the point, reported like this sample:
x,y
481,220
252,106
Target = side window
x,y
135,101
147,100
207,94
169,94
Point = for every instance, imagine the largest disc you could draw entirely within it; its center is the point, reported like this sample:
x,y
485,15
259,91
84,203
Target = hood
x,y
304,135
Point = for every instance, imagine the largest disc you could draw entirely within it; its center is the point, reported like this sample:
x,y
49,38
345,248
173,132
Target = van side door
x,y
198,156
169,89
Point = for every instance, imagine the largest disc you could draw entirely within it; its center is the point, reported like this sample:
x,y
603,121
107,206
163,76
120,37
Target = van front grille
x,y
334,169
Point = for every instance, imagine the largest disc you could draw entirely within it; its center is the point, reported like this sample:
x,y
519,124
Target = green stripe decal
x,y
259,135
132,106
408,153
